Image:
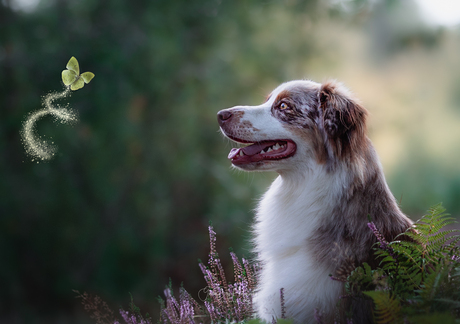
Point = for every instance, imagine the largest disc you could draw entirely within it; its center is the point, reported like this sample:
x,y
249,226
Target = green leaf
x,y
367,269
68,77
78,84
87,76
387,308
72,65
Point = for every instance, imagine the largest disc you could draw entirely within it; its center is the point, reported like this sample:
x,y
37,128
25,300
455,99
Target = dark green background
x,y
125,203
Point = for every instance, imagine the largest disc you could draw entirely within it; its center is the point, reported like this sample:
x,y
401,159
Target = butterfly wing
x,y
78,84
68,77
87,76
72,65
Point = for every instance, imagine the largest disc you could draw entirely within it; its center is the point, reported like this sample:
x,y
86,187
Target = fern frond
x,y
453,244
429,242
420,273
387,307
434,238
407,246
412,254
433,222
430,286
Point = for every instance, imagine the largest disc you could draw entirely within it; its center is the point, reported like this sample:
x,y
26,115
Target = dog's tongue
x,y
250,151
279,149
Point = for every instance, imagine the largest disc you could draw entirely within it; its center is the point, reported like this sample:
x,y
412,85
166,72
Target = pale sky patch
x,y
441,12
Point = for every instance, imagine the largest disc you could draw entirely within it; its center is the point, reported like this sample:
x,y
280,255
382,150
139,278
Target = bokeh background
x,y
125,203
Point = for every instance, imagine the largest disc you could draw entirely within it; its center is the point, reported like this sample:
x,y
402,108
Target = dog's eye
x,y
284,106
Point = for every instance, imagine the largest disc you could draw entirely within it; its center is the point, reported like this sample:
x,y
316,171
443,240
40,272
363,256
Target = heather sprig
x,y
98,308
183,311
228,301
378,235
384,245
131,318
224,302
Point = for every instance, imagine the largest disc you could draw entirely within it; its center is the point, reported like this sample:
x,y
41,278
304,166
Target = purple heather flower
x,y
237,269
318,316
125,315
224,301
132,318
383,242
212,243
337,279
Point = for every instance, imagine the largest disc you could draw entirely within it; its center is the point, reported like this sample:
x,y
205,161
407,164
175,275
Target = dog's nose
x,y
223,116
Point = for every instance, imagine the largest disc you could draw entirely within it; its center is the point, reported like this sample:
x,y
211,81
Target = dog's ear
x,y
344,119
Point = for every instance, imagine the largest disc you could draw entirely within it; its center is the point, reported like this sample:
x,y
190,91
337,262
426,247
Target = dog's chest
x,y
288,214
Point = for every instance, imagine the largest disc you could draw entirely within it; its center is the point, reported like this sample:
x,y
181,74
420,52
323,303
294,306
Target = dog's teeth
x,y
241,153
276,146
269,149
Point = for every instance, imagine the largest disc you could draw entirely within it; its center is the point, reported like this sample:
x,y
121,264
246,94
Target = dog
x,y
312,221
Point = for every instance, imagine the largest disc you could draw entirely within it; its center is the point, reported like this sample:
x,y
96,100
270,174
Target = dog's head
x,y
301,121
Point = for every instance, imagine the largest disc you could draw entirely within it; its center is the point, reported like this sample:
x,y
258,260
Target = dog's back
x,y
312,221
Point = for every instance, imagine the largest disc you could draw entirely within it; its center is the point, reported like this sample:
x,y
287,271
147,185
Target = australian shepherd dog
x,y
312,221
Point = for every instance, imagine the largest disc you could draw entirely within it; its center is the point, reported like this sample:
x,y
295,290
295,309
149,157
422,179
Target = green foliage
x,y
418,281
428,245
387,307
278,321
363,278
418,277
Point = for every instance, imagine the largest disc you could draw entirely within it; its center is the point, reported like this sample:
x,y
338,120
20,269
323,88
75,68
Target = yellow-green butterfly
x,y
72,75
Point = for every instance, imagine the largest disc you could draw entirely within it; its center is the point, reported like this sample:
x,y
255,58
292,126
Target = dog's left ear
x,y
344,119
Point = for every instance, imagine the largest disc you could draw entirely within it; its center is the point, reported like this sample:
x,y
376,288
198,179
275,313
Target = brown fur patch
x,y
238,128
237,115
344,121
318,147
283,94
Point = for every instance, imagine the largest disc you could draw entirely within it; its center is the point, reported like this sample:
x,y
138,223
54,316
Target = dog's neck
x,y
295,203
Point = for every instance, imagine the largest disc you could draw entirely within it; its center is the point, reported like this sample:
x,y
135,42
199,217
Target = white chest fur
x,y
286,217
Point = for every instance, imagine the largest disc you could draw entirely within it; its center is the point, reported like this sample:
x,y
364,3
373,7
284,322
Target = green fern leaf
x,y
387,308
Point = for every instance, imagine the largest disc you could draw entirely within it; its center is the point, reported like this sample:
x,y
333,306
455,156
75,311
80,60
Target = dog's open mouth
x,y
266,150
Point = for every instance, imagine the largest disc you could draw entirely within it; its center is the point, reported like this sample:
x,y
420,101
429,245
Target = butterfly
x,y
72,77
